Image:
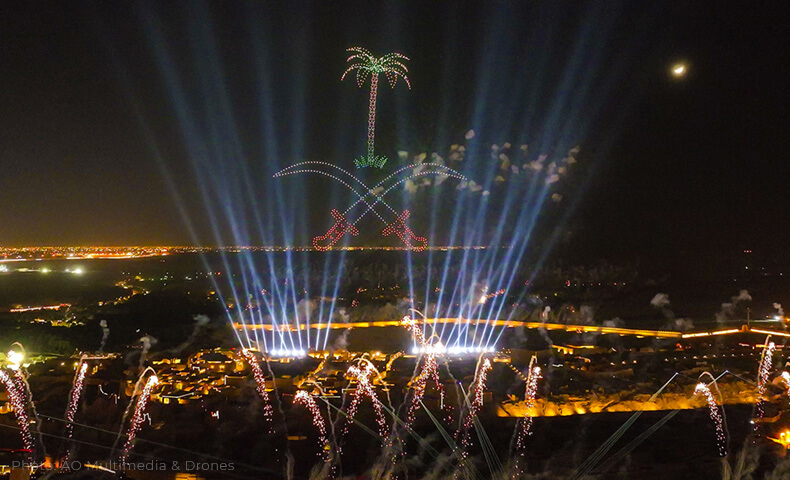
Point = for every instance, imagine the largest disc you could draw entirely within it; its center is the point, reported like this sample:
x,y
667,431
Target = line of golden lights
x,y
513,324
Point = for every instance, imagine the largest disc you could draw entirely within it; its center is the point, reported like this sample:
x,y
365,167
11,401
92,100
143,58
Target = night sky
x,y
106,108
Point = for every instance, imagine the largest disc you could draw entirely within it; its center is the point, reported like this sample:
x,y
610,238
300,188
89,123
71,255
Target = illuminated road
x,y
490,323
513,324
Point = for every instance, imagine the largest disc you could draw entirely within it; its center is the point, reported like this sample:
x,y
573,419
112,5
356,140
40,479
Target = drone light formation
x,y
139,415
366,65
399,228
260,296
343,225
715,415
336,232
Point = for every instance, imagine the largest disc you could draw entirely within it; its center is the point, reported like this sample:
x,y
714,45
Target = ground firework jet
x,y
138,415
715,411
363,374
260,383
366,66
16,396
524,425
308,401
74,402
19,396
475,403
429,370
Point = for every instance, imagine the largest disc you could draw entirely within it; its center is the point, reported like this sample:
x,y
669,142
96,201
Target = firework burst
x,y
139,415
260,383
16,395
715,415
304,398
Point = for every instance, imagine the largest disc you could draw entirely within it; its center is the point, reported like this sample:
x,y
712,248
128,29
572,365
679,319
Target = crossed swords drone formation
x,y
367,65
370,197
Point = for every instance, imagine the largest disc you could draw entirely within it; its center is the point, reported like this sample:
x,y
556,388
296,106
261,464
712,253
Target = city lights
x,y
562,259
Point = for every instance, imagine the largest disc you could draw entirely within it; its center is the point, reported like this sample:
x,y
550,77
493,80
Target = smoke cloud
x,y
660,300
147,342
105,332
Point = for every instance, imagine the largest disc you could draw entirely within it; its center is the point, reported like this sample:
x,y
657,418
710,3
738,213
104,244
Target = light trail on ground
x,y
490,323
514,324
